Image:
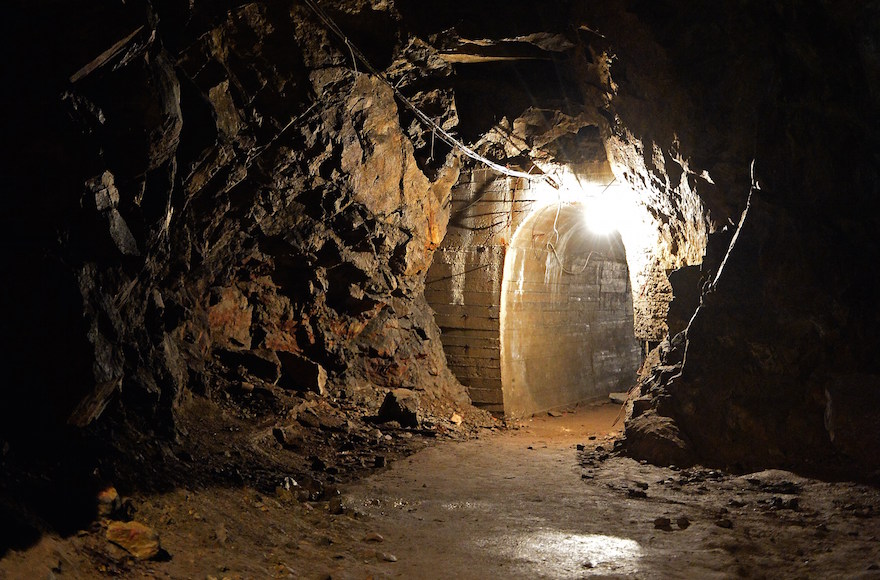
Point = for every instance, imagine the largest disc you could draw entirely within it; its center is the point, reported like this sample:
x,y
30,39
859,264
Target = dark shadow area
x,y
485,18
514,86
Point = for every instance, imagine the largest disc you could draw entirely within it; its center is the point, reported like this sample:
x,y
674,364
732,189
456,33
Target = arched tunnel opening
x,y
340,288
566,317
546,295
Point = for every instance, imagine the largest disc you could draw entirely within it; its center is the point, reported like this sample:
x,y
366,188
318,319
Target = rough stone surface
x,y
243,191
137,539
401,405
302,374
195,188
782,128
685,283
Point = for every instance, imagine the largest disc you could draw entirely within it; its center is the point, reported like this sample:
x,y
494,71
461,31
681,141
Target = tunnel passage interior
x,y
566,313
270,254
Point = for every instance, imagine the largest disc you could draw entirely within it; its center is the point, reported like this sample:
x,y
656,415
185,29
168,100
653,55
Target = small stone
x,y
724,523
221,534
618,398
874,567
456,419
334,506
137,539
664,524
580,447
683,523
554,413
374,537
386,557
289,436
109,502
636,493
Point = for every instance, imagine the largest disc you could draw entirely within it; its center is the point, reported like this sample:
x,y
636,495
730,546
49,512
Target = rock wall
x,y
214,196
777,105
210,195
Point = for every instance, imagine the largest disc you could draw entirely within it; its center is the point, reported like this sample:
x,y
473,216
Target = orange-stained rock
x,y
137,539
230,319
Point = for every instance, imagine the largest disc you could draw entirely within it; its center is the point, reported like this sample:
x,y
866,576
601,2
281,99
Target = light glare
x,y
607,208
570,555
603,215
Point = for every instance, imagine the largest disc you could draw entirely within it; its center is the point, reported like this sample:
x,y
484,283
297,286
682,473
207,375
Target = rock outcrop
x,y
231,200
778,106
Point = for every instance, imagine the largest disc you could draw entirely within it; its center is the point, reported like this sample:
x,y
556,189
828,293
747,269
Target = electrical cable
x,y
445,136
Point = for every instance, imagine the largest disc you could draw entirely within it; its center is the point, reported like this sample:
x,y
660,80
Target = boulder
x,y
301,374
139,540
657,439
260,363
401,405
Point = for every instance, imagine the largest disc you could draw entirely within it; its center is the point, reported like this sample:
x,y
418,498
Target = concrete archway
x,y
566,314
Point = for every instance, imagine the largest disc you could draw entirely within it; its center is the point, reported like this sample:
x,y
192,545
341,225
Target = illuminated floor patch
x,y
557,554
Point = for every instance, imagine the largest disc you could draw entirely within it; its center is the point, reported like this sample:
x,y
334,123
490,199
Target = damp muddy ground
x,y
543,499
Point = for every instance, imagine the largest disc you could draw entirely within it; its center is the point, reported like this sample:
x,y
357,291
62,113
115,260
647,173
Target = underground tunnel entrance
x,y
534,296
566,317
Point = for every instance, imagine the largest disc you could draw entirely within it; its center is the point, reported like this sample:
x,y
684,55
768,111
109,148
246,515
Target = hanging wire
x,y
445,136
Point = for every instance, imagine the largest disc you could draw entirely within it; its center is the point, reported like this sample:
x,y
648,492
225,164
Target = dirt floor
x,y
544,499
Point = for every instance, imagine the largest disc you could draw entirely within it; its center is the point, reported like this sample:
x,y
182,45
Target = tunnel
x,y
323,289
566,313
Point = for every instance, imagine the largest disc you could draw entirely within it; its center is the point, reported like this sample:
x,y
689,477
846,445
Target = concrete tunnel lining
x,y
566,323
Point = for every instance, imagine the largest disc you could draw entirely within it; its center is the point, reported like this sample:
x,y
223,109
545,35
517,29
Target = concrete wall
x,y
464,289
464,283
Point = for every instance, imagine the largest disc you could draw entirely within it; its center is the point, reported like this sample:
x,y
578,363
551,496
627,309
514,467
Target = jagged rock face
x,y
229,191
203,191
778,349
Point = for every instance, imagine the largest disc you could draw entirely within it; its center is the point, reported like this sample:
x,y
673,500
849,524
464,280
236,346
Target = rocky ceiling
x,y
213,199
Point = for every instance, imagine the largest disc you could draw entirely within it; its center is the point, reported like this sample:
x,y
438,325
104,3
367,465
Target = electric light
x,y
605,205
607,208
603,215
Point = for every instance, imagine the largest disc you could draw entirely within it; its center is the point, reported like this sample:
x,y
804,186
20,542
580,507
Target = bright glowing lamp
x,y
603,215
